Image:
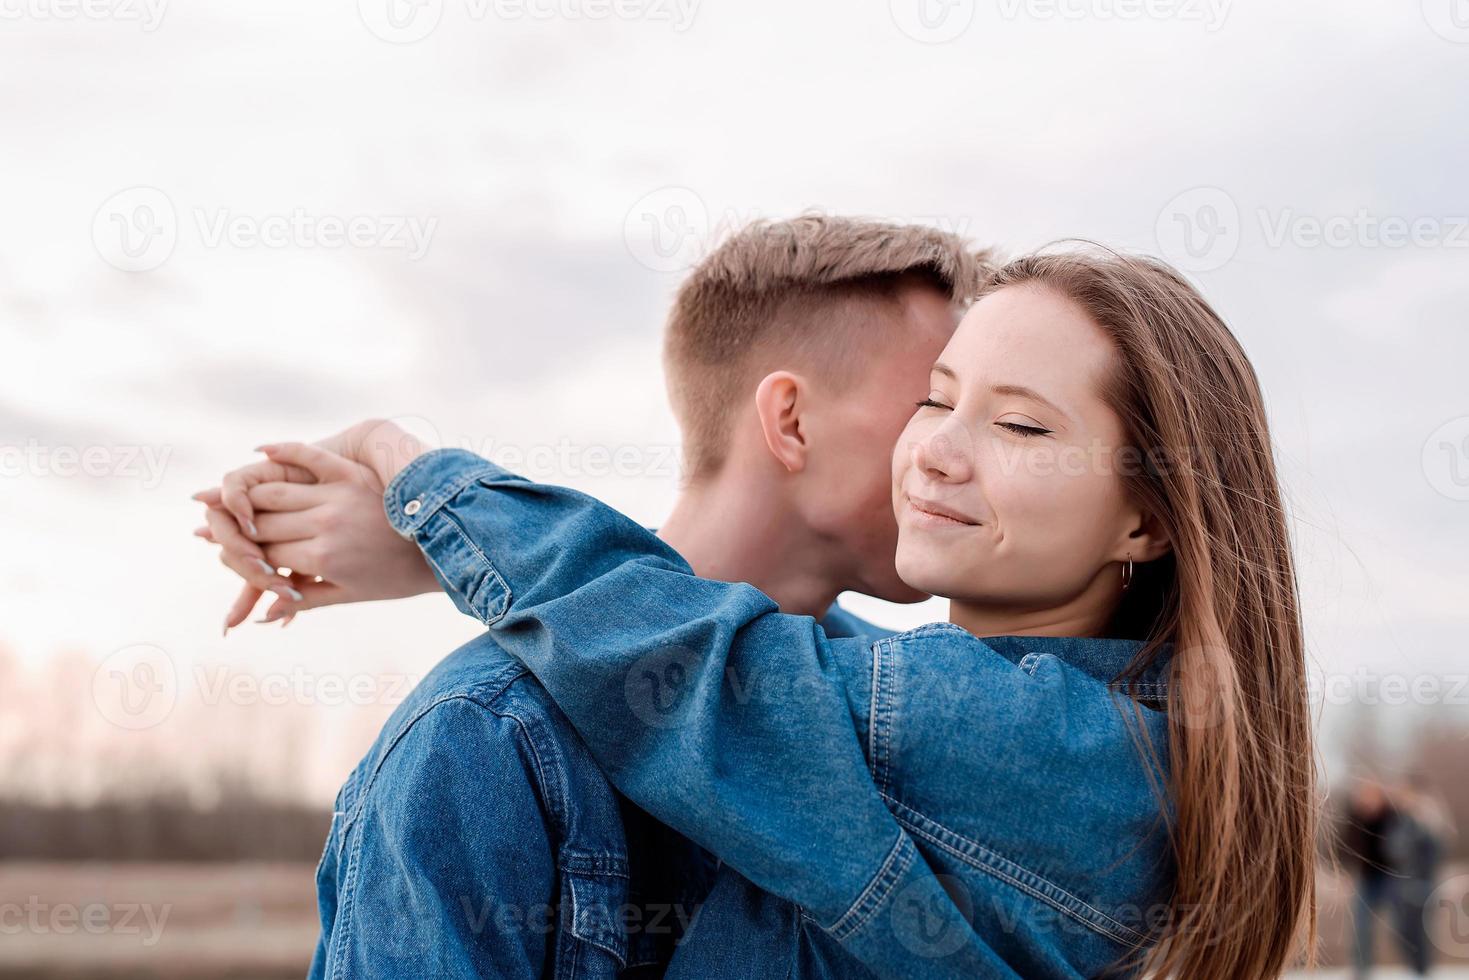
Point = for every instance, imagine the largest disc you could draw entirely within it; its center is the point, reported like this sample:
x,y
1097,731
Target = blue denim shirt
x,y
934,804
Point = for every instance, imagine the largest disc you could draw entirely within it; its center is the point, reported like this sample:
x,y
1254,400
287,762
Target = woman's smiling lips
x,y
930,513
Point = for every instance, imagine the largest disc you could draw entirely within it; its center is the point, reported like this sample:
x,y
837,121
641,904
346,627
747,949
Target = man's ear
x,y
779,401
1146,538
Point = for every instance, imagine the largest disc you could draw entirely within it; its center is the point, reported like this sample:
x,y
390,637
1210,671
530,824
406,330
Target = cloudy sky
x,y
225,225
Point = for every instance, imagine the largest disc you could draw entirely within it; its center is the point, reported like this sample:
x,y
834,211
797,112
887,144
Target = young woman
x,y
1104,759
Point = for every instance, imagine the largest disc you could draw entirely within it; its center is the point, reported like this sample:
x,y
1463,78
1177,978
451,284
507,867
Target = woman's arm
x,y
707,707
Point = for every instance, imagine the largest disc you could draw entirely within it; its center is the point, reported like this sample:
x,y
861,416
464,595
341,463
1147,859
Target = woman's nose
x,y
942,456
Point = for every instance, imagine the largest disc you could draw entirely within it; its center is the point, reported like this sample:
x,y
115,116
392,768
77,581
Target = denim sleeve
x,y
707,707
448,870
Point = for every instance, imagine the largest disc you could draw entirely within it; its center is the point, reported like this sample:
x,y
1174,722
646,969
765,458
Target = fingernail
x,y
226,631
265,566
201,532
269,617
286,591
267,448
254,533
287,621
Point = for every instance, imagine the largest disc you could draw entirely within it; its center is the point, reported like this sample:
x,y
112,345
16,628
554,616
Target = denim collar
x,y
1104,658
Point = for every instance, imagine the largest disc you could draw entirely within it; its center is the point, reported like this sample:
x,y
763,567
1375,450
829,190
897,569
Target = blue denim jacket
x,y
935,804
478,838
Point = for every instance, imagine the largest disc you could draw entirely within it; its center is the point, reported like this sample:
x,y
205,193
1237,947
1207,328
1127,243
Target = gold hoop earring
x,y
1127,574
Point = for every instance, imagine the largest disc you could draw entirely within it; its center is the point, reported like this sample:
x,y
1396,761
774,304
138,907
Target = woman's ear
x,y
779,400
1146,540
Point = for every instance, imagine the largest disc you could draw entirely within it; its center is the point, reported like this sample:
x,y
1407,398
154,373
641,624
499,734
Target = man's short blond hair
x,y
804,291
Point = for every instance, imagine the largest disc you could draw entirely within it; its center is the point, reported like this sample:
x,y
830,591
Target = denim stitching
x,y
576,908
877,725
584,863
489,617
481,694
346,906
928,629
875,894
993,863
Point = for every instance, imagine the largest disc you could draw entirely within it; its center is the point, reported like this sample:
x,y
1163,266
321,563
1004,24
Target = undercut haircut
x,y
812,291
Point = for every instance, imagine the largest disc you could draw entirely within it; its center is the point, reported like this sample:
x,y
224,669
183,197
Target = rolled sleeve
x,y
422,487
414,502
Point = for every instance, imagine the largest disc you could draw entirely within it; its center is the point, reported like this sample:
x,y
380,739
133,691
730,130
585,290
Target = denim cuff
x,y
429,482
417,502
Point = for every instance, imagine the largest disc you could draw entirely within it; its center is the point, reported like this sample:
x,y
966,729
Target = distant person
x,y
1416,843
1395,843
1369,820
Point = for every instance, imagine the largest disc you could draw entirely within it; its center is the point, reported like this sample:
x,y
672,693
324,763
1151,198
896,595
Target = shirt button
x,y
412,507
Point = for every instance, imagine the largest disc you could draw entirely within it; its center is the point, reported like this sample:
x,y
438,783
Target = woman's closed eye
x,y
1025,431
930,403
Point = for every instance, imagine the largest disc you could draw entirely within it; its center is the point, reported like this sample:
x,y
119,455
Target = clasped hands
x,y
306,524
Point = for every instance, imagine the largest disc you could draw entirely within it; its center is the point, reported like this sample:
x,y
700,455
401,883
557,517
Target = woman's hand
x,y
320,515
380,448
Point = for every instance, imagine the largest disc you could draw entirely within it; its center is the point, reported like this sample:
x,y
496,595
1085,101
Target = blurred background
x,y
227,224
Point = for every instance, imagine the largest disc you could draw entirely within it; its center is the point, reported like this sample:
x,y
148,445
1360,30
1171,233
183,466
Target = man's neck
x,y
726,532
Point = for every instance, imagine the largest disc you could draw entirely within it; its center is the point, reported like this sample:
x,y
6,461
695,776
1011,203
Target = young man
x,y
478,837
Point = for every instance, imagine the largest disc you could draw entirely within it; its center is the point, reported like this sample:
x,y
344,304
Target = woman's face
x,y
1004,481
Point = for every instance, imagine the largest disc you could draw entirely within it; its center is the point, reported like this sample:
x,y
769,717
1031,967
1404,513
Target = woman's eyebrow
x,y
1020,391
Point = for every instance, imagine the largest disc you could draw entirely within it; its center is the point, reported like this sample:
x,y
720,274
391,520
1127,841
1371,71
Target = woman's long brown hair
x,y
1241,768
